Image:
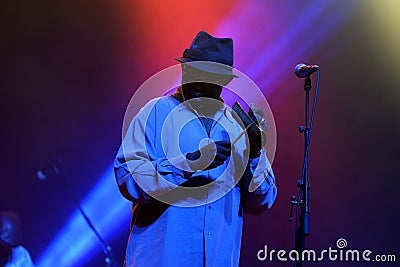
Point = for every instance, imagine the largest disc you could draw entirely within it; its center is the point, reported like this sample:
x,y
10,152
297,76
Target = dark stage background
x,y
69,68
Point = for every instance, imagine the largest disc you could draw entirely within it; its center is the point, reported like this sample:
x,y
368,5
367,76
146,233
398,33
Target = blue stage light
x,y
76,244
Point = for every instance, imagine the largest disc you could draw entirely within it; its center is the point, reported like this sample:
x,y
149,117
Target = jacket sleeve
x,y
259,189
141,169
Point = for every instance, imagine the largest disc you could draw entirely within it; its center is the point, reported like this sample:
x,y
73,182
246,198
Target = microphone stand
x,y
107,250
302,202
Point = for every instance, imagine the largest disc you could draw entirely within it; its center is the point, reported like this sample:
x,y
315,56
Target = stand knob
x,y
292,202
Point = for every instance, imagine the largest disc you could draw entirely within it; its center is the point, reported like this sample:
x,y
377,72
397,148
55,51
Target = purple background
x,y
69,68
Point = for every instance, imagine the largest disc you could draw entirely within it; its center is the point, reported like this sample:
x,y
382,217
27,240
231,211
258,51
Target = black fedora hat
x,y
210,54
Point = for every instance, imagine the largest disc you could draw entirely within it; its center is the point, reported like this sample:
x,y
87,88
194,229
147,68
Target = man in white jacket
x,y
189,171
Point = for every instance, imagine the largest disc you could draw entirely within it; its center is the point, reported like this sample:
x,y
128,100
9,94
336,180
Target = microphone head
x,y
297,69
41,175
302,70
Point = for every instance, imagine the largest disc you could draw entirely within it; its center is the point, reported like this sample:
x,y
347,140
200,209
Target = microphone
x,y
302,70
48,170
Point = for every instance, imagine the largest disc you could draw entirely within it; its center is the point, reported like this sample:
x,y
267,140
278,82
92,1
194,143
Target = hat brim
x,y
209,66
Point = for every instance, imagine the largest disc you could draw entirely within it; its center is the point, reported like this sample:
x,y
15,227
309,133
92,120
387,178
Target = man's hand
x,y
258,116
256,132
209,156
255,124
256,140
